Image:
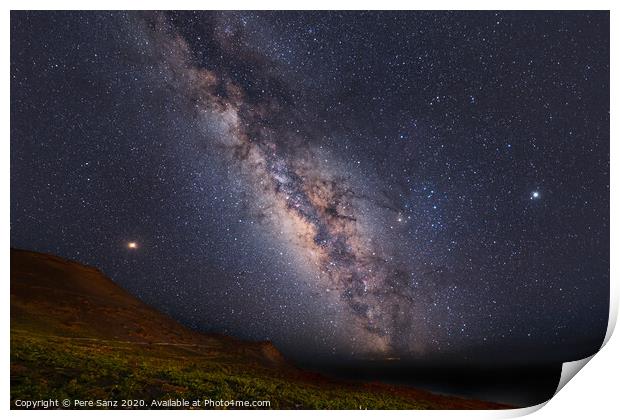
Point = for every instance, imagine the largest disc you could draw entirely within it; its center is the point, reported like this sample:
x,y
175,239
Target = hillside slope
x,y
75,334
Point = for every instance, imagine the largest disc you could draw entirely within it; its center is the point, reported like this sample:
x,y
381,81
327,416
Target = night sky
x,y
351,186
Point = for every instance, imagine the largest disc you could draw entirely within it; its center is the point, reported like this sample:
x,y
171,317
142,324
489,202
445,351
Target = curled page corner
x,y
569,370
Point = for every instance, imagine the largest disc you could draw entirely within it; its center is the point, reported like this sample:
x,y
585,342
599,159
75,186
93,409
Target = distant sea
x,y
521,386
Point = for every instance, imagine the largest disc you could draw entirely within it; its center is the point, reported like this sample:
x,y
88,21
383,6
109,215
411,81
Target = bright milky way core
x,y
310,201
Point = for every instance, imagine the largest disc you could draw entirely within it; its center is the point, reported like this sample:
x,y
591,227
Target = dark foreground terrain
x,y
75,334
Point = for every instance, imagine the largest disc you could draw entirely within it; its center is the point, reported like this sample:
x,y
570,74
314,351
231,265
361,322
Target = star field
x,y
349,185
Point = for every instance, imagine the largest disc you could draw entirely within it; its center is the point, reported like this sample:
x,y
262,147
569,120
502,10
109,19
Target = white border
x,y
591,395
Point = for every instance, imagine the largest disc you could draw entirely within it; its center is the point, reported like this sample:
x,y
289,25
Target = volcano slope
x,y
77,335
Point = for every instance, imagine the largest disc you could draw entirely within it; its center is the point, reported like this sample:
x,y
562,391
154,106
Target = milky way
x,y
317,207
348,185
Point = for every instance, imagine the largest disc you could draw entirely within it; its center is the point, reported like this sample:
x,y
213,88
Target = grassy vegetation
x,y
59,368
77,335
